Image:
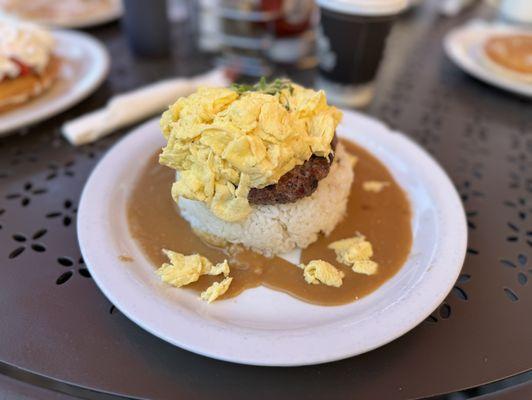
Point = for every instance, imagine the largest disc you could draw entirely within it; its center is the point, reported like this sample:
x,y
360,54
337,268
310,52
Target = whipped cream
x,y
24,42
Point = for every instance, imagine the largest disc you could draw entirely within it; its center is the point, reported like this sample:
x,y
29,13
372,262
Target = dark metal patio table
x,y
58,332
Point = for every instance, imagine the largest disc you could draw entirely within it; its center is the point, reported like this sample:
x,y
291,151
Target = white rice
x,y
277,229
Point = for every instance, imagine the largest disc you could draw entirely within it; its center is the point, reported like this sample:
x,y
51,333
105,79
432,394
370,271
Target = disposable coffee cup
x,y
351,41
147,27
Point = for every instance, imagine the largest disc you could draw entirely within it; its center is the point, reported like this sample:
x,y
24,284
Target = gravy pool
x,y
384,218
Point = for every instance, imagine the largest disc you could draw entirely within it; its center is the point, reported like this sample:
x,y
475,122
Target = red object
x,y
296,15
24,69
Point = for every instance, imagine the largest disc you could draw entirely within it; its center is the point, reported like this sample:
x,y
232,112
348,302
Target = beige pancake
x,y
14,92
513,52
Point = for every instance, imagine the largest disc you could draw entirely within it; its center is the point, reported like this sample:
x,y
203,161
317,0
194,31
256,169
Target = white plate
x,y
85,64
262,326
463,46
87,20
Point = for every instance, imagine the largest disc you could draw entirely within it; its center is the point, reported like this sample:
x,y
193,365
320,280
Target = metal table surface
x,y
58,331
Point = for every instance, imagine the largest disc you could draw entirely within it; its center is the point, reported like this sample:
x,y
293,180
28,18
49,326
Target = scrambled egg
x,y
374,186
216,290
183,270
224,141
366,267
355,252
218,269
319,271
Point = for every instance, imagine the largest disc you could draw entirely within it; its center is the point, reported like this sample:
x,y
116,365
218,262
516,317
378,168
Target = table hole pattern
x,y
56,170
73,266
23,241
511,294
26,194
67,213
63,278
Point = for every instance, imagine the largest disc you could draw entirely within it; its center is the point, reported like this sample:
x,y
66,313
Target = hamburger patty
x,y
299,182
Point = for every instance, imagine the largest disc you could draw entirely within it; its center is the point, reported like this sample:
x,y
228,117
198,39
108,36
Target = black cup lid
x,y
364,7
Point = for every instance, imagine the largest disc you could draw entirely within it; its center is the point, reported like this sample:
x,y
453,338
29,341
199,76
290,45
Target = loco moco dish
x,y
28,66
250,173
510,55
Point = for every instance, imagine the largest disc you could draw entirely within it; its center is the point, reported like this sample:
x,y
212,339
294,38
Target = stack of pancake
x,y
28,66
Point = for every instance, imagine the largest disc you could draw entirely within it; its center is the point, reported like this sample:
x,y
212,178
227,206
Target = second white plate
x,y
463,46
262,326
85,64
72,18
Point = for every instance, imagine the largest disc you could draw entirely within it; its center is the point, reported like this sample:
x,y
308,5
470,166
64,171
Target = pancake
x,y
511,54
14,92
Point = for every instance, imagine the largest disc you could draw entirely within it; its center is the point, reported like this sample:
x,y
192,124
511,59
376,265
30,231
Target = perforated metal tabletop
x,y
58,331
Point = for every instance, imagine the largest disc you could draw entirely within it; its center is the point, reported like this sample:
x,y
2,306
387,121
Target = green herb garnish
x,y
263,86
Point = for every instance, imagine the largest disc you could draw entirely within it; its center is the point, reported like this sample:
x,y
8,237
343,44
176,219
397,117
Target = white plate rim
x,y
81,89
88,21
431,288
463,57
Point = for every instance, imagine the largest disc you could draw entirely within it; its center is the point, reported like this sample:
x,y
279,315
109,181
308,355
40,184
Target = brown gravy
x,y
384,218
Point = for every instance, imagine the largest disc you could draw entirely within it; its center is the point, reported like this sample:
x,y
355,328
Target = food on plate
x,y
374,186
510,54
28,66
184,270
60,12
258,166
216,290
355,252
319,271
257,171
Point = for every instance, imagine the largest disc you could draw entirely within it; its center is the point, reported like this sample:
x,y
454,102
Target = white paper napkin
x,y
130,107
